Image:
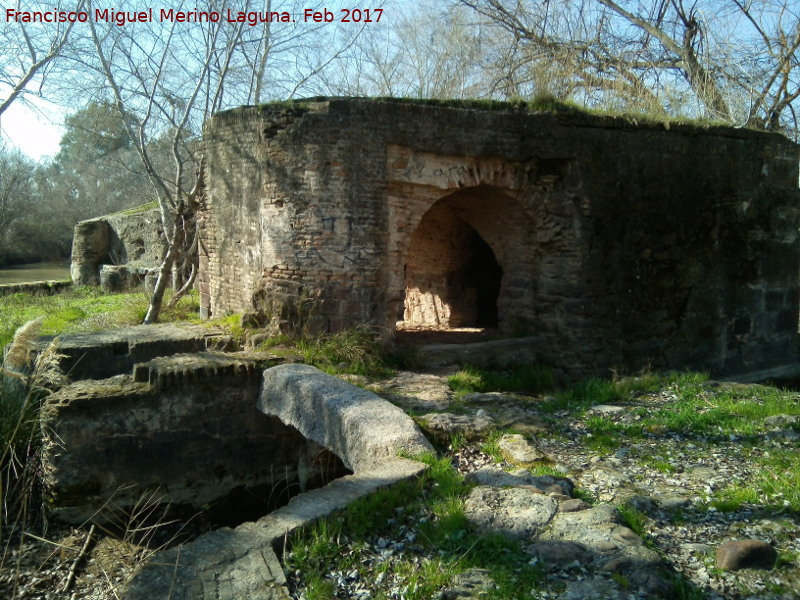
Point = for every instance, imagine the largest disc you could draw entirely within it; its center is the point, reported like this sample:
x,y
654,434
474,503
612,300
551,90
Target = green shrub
x,y
357,350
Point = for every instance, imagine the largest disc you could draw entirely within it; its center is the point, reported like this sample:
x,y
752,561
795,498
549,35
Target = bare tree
x,y
771,74
29,50
166,79
736,58
164,83
427,53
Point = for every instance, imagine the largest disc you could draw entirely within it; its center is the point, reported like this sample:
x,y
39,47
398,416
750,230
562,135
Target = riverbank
x,y
35,288
34,272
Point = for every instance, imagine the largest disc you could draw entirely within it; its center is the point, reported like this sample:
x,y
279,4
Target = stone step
x,y
103,354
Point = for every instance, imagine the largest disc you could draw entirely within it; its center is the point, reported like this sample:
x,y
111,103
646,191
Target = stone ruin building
x,y
608,243
605,242
118,251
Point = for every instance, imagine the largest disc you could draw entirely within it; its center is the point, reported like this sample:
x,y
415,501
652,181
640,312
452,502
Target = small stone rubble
x,y
664,477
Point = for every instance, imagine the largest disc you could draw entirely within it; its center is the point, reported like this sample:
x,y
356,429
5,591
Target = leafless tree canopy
x,y
732,60
29,53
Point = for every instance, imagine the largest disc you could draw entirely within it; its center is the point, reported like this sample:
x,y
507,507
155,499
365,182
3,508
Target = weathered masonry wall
x,y
613,245
124,244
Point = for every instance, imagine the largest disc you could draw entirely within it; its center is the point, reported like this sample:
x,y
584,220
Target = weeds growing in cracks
x,y
436,543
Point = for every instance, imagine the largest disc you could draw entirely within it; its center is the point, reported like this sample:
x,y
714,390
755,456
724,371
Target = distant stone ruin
x,y
117,251
611,244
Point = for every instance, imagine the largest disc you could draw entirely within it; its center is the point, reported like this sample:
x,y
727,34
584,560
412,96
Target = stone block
x,y
357,425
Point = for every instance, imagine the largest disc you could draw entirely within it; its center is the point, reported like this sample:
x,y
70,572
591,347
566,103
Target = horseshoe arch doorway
x,y
454,266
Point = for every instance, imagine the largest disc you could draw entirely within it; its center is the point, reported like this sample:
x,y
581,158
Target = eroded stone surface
x,y
224,564
581,538
418,391
443,426
472,584
360,427
518,512
101,354
545,484
559,554
518,450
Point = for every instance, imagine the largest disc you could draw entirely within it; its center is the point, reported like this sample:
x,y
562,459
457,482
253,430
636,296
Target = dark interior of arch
x,y
484,274
453,278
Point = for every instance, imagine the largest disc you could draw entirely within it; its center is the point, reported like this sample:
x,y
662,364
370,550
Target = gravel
x,y
680,524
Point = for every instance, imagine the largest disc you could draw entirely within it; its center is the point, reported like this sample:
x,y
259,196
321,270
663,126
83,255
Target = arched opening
x,y
453,278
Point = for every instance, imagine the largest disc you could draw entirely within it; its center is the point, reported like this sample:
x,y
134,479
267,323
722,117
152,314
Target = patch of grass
x,y
232,326
527,378
732,412
357,350
634,519
545,469
19,454
779,479
85,309
659,464
20,435
466,380
374,512
788,559
587,496
457,442
489,446
732,498
620,580
606,391
18,416
606,434
433,508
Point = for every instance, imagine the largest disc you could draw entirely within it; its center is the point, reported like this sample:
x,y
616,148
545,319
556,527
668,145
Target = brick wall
x,y
616,245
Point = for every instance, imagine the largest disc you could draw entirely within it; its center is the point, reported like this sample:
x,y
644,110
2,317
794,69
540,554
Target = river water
x,y
43,271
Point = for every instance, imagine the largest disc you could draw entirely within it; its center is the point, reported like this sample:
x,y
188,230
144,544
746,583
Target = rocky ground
x,y
664,478
678,523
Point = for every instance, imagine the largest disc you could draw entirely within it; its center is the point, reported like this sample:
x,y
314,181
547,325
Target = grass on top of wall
x,y
85,309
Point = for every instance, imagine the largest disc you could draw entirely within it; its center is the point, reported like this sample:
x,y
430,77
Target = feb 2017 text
x,y
252,18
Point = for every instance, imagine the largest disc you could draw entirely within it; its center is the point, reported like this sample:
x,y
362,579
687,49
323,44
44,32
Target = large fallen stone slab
x,y
358,426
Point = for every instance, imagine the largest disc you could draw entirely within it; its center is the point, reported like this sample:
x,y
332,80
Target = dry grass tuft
x,y
18,355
